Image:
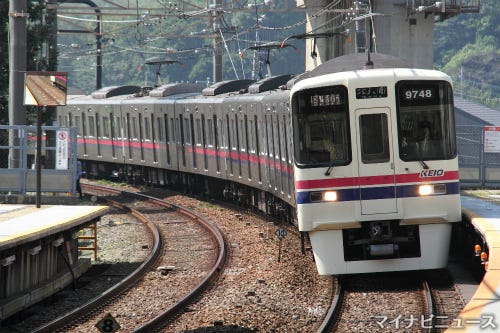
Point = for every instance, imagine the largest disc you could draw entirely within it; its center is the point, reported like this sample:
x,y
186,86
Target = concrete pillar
x,y
392,31
408,37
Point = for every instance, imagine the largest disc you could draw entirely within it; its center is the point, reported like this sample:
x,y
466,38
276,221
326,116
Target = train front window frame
x,y
426,124
374,138
321,127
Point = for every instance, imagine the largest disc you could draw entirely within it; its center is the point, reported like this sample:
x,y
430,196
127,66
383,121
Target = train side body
x,y
363,161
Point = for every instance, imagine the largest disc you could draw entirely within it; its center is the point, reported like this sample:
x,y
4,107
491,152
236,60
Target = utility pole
x,y
17,67
217,64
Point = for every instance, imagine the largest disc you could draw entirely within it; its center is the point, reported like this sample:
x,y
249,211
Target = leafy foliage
x,y
467,48
186,38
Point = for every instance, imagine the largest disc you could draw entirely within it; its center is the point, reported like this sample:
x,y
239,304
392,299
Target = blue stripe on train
x,y
373,193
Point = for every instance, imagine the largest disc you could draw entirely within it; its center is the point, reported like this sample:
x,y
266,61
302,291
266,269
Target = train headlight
x,y
431,189
425,190
324,196
330,196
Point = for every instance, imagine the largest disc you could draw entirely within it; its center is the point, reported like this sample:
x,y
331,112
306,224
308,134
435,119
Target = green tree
x,y
467,48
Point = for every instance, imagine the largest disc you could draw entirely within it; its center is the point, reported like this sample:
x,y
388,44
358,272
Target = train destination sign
x,y
327,99
371,92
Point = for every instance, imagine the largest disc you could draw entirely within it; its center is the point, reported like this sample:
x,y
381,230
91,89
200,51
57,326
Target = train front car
x,y
376,171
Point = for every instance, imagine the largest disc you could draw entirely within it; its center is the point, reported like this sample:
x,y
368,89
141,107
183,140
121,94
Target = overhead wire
x,y
148,37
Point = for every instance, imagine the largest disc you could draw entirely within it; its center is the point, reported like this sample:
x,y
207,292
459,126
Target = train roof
x,y
270,83
354,62
224,87
113,91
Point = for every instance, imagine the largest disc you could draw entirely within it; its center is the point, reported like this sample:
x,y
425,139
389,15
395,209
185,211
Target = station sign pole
x,y
42,89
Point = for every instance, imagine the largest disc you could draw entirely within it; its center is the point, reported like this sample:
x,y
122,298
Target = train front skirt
x,y
328,248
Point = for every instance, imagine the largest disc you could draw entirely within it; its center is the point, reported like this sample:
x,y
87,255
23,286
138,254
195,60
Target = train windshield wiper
x,y
424,165
330,168
421,158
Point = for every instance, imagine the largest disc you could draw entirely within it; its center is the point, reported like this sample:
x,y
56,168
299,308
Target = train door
x,y
181,142
84,134
141,135
217,125
204,144
377,180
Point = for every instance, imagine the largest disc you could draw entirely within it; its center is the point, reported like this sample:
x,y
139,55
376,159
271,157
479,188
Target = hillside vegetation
x,y
467,47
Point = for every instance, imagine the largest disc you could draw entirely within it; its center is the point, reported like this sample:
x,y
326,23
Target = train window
x,y
251,136
159,129
91,126
97,125
238,143
147,129
187,129
167,137
217,124
204,141
426,125
141,136
191,123
105,127
141,131
321,127
198,132
210,138
233,135
229,142
116,127
257,146
165,120
134,128
129,136
78,124
167,131
270,139
203,132
374,138
84,125
243,133
113,126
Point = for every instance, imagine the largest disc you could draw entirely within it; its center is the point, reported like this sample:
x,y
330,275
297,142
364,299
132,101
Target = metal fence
x,y
477,167
17,159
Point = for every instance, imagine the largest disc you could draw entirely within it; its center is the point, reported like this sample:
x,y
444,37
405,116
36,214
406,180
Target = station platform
x,y
482,312
39,251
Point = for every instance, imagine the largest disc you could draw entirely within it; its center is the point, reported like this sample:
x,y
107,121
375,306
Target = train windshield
x,y
321,127
426,124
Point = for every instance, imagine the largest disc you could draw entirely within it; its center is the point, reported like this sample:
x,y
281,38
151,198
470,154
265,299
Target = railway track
x,y
177,233
397,297
395,302
267,284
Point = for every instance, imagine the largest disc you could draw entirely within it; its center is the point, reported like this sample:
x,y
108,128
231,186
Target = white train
x,y
376,169
362,158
